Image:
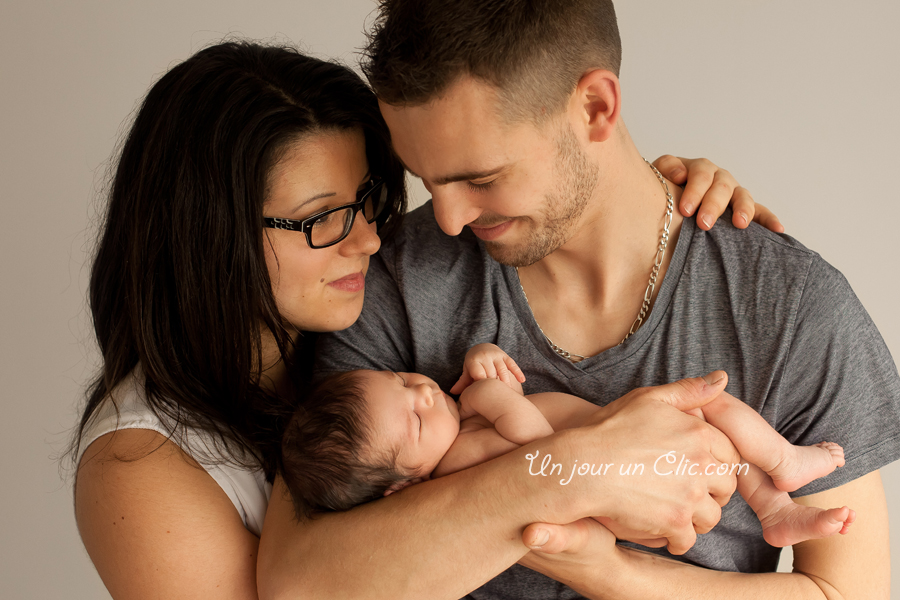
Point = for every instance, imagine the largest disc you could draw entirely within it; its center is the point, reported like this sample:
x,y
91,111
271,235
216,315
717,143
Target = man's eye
x,y
479,187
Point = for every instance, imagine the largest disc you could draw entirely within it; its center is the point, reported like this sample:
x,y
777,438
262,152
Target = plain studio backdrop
x,y
798,99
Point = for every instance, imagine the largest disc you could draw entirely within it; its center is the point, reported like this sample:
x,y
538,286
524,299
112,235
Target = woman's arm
x,y
156,524
446,537
848,567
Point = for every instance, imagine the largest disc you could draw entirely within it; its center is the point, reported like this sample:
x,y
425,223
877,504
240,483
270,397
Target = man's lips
x,y
351,283
488,234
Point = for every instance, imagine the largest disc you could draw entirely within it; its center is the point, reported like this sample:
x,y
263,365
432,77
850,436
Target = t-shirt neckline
x,y
617,353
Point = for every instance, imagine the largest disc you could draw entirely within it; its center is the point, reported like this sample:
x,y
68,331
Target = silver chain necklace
x,y
651,286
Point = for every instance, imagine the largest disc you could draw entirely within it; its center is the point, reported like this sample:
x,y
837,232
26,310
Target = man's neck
x,y
597,280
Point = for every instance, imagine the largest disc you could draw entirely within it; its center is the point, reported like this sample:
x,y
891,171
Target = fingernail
x,y
689,208
713,378
678,173
705,219
743,217
541,537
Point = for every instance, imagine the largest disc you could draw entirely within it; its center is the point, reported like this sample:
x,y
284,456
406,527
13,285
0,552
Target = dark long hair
x,y
179,283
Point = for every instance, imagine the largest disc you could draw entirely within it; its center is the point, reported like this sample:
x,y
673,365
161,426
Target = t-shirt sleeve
x,y
840,383
380,339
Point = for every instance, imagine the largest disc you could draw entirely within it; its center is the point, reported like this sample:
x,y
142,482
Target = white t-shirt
x,y
247,489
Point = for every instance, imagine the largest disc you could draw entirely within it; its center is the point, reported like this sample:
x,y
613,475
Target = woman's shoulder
x,y
126,409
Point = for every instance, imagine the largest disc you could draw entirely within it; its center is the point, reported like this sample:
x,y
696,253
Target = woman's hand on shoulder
x,y
713,189
153,520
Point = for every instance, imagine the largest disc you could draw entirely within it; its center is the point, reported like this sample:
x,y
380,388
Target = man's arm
x,y
850,567
471,522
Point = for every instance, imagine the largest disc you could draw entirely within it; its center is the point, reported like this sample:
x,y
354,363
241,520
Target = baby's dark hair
x,y
326,457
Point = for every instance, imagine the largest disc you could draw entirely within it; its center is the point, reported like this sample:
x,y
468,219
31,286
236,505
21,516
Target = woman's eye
x,y
479,187
324,220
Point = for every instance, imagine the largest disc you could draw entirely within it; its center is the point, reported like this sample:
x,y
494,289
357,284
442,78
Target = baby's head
x,y
364,434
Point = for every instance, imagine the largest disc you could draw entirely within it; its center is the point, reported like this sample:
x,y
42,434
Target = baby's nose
x,y
425,395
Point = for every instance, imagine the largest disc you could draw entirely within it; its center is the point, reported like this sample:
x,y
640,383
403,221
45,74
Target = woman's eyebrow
x,y
316,197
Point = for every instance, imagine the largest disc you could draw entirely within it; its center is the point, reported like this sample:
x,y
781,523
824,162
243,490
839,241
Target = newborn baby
x,y
362,435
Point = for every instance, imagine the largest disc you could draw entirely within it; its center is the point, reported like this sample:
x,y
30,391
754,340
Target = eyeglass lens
x,y
335,226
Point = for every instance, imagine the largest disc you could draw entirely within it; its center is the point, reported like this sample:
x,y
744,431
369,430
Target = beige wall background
x,y
798,99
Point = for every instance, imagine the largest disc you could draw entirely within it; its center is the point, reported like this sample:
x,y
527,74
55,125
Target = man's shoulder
x,y
756,255
765,275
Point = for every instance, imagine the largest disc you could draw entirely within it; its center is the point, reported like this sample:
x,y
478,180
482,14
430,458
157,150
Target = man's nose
x,y
453,210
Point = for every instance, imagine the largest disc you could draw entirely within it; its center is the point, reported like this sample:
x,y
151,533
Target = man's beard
x,y
575,180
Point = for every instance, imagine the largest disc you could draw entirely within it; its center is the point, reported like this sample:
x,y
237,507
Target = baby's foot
x,y
795,523
803,464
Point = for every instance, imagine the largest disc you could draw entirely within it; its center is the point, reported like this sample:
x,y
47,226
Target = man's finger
x,y
707,515
687,394
572,538
721,488
683,541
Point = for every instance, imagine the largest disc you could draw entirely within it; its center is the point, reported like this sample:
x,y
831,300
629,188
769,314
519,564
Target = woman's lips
x,y
351,283
489,234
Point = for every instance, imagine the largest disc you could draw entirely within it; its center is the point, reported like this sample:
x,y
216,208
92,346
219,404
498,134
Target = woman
x,y
217,251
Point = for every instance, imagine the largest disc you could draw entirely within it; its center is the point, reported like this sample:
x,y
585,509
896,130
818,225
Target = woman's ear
x,y
596,103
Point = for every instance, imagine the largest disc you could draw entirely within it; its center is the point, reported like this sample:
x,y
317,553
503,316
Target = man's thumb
x,y
548,538
686,394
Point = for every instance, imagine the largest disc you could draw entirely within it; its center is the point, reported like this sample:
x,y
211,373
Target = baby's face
x,y
410,412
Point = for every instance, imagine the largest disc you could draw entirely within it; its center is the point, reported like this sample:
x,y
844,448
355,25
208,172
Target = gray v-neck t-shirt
x,y
797,345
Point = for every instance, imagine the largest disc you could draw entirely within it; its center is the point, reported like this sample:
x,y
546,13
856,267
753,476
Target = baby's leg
x,y
785,522
791,467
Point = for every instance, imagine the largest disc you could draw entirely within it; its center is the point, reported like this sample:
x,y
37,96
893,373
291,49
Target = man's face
x,y
521,188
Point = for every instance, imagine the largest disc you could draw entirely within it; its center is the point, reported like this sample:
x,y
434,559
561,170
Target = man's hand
x,y
680,489
487,361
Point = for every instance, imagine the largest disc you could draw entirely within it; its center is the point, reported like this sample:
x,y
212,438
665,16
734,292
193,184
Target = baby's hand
x,y
487,361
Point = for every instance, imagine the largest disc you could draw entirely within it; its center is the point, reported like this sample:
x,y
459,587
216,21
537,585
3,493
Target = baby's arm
x,y
512,414
479,442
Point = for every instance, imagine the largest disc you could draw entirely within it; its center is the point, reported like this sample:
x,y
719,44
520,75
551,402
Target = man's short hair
x,y
533,51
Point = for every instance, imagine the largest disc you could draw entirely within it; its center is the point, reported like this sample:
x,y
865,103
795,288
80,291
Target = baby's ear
x,y
400,485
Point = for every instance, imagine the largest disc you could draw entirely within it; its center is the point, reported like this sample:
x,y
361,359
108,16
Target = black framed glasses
x,y
329,227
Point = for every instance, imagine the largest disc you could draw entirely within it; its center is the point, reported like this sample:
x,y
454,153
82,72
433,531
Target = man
x,y
510,112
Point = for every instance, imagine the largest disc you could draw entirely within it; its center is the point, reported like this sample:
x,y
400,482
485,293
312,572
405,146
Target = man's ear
x,y
596,103
396,487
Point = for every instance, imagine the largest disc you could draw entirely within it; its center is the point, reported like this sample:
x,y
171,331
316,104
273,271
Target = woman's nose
x,y
363,238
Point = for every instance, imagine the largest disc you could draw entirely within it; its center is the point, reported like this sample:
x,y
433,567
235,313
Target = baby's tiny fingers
x,y
514,368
